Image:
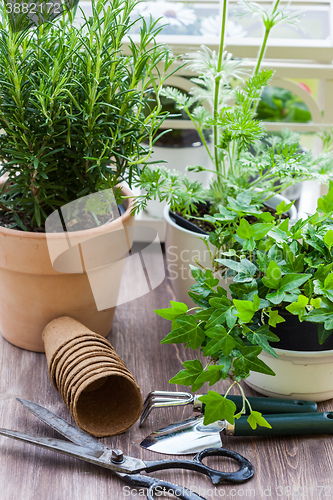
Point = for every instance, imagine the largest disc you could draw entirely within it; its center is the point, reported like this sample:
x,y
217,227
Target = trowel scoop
x,y
191,435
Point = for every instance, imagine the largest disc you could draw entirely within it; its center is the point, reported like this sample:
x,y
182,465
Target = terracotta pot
x,y
32,292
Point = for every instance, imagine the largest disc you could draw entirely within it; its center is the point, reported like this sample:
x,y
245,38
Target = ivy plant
x,y
277,267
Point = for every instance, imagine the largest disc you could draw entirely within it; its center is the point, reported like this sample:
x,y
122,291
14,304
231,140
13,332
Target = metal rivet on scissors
x,y
86,448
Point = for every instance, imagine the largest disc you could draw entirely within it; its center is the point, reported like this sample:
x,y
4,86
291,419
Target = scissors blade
x,y
97,457
60,425
64,447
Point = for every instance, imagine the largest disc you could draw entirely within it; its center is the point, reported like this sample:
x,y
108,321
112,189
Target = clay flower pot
x,y
33,292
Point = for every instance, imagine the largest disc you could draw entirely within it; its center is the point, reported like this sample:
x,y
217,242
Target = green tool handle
x,y
288,424
273,405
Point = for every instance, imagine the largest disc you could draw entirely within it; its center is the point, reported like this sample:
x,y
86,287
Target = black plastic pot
x,y
299,336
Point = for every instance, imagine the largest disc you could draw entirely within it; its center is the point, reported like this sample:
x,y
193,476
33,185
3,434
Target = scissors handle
x,y
157,486
243,474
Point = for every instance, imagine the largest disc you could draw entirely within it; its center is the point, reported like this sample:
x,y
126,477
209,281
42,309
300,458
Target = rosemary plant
x,y
71,108
242,154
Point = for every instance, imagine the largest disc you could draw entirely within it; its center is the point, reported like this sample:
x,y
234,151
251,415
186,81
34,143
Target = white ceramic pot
x,y
184,247
306,375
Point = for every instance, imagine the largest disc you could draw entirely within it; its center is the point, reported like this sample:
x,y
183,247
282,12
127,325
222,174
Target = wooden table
x,y
284,467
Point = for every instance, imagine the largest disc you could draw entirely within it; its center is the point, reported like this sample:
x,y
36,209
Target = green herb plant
x,y
71,107
276,267
224,106
281,105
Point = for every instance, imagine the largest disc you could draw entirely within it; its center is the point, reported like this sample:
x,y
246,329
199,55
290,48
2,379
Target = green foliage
x,y
281,105
289,269
218,405
71,107
228,106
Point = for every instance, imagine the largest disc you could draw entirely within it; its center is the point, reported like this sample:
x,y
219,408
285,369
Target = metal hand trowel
x,y
191,435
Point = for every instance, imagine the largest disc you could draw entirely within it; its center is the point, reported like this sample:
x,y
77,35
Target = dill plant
x,y
224,104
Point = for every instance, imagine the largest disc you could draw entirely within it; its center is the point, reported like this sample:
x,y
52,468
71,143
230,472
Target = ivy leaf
x,y
325,288
211,375
200,300
225,215
222,341
292,281
246,273
218,407
183,330
244,291
276,297
197,273
246,309
328,325
230,264
263,261
323,334
222,303
204,314
283,208
196,335
218,317
299,307
230,317
322,271
274,318
255,418
289,283
248,360
244,230
325,204
245,269
323,313
273,276
316,303
189,375
259,230
225,363
261,336
328,238
177,309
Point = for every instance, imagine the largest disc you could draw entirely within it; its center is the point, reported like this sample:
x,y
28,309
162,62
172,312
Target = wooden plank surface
x,y
293,467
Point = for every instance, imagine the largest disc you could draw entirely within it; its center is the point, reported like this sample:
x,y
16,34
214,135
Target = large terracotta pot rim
x,y
105,227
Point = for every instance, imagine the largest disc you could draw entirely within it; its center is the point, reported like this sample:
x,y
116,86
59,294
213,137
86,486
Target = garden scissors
x,y
86,448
